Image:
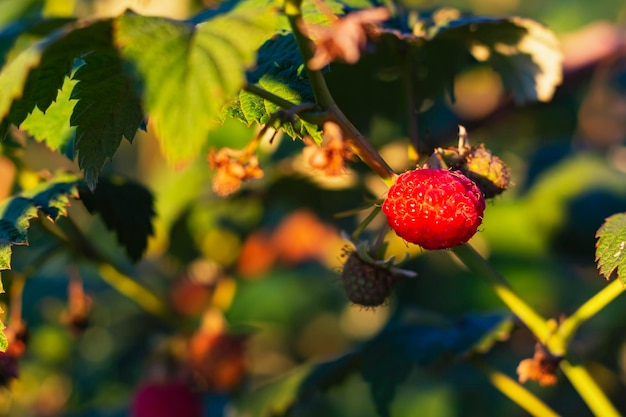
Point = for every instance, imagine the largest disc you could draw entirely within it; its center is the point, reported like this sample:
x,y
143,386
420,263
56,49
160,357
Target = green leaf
x,y
51,197
610,248
34,77
107,110
424,342
524,53
279,70
190,72
53,126
127,208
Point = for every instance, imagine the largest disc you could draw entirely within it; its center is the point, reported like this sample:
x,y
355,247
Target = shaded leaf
x,y
107,110
524,53
389,358
34,77
189,72
611,245
53,126
126,207
51,197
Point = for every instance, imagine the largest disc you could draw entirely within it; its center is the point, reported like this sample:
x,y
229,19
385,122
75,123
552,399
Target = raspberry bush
x,y
259,208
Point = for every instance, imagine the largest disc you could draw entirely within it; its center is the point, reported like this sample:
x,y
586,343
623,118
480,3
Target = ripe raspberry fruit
x,y
364,282
434,208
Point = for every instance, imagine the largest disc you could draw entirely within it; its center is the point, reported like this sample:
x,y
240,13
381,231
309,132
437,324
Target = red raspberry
x,y
434,208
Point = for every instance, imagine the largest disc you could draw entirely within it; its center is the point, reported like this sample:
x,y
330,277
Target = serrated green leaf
x,y
34,77
127,208
51,197
53,126
190,72
611,245
280,71
107,110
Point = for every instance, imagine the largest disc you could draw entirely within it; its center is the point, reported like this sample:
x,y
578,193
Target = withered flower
x,y
233,167
344,39
541,368
331,155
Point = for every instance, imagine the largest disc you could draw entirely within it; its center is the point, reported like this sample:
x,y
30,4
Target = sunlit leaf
x,y
189,72
53,126
50,197
127,208
34,77
107,110
280,71
611,245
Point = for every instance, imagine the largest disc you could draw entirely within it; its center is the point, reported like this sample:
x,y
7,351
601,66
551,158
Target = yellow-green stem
x,y
477,264
589,309
589,391
515,391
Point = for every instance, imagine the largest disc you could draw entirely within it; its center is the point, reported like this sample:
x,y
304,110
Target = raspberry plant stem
x,y
515,391
587,388
357,142
589,309
577,374
476,263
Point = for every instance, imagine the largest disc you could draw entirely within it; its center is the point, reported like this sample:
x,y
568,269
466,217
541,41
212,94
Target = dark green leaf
x,y
610,248
107,110
524,53
34,77
51,197
127,208
389,357
190,72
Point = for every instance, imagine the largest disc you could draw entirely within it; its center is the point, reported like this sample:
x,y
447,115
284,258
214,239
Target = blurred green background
x,y
267,258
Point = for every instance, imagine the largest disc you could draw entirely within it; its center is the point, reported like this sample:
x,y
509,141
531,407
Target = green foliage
x,y
524,53
53,126
189,72
34,77
280,71
107,110
429,340
610,249
51,197
126,207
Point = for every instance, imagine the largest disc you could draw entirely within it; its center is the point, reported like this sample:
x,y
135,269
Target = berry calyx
x,y
434,208
487,171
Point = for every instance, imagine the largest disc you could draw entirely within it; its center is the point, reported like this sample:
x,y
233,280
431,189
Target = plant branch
x,y
476,263
589,309
587,388
515,391
357,142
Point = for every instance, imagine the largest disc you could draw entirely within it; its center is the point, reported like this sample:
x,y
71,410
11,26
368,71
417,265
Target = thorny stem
x,y
515,391
357,142
589,309
589,391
